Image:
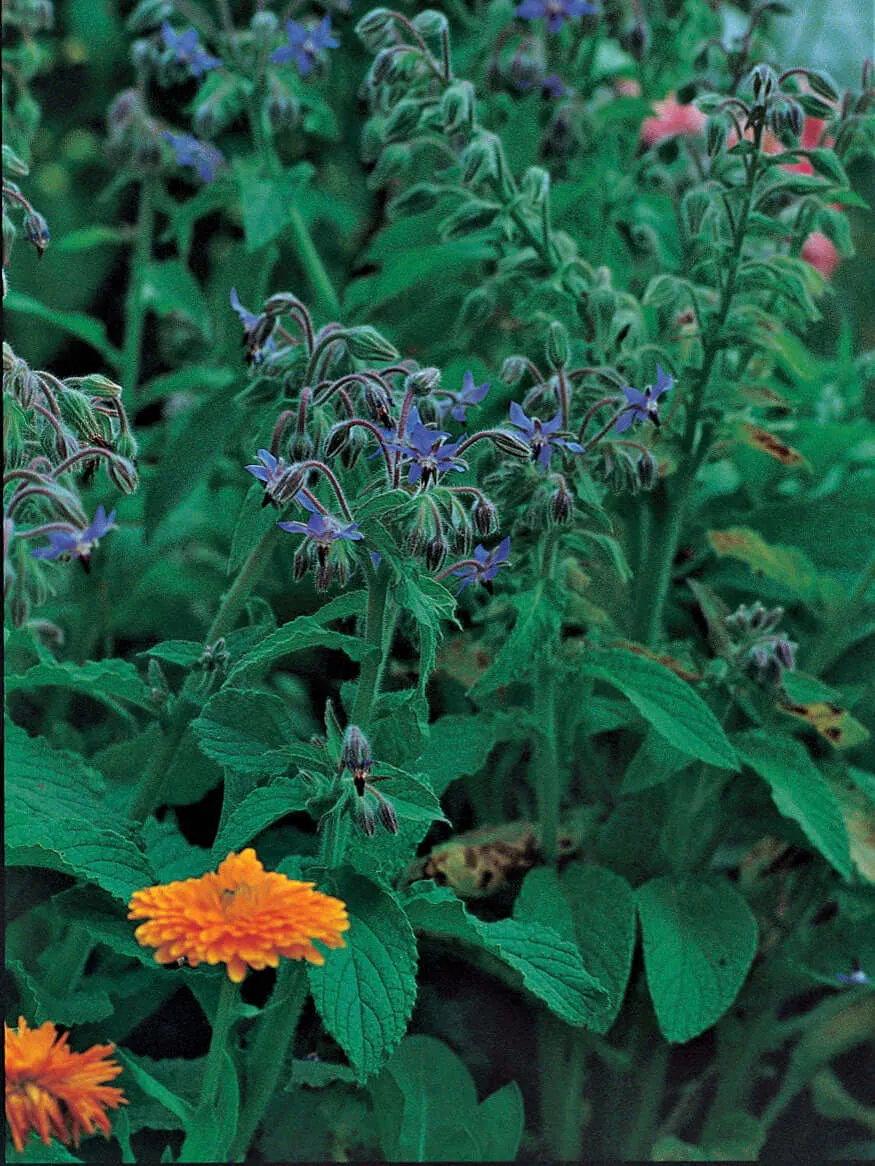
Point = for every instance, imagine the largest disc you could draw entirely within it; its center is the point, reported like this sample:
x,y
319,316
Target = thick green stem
x,y
562,1056
651,1090
274,1031
547,778
238,593
218,1045
372,665
653,591
135,308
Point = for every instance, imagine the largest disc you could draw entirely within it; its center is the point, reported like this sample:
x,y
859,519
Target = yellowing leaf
x,y
766,442
830,720
786,565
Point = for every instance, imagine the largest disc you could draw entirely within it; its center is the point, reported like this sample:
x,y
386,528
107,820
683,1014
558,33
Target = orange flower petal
x,y
240,915
56,1092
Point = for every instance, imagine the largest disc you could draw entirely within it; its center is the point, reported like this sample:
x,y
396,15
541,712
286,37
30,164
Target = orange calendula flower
x,y
242,916
53,1090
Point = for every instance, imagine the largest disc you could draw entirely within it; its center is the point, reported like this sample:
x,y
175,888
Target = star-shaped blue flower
x,y
469,395
556,12
321,529
190,152
304,45
486,564
427,449
186,49
541,435
77,543
644,405
274,473
249,320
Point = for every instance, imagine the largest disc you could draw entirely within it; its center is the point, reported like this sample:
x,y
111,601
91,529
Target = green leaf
x,y
75,242
546,964
84,1005
83,327
670,705
786,565
655,762
603,910
252,523
245,730
258,810
299,635
265,202
699,942
317,1074
36,1154
800,791
180,1076
153,1088
365,991
56,818
458,746
426,1106
185,653
109,681
538,620
168,288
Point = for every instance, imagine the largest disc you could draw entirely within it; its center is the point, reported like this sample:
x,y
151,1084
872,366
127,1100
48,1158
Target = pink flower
x,y
672,120
820,253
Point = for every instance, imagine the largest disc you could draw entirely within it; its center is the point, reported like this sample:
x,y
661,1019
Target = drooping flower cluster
x,y
241,916
53,1091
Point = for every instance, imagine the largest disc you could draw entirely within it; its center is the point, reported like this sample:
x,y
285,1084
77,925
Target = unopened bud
x,y
122,474
513,370
764,82
301,562
509,443
561,509
126,445
366,343
648,471
436,551
378,402
355,755
263,25
375,28
558,348
365,817
457,107
337,439
423,381
77,411
387,815
485,517
324,575
480,160
784,654
36,231
300,446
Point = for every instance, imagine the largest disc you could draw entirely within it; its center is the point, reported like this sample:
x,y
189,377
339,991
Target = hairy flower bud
x,y
514,446
300,446
423,381
355,755
366,343
378,402
784,654
123,474
648,471
337,439
716,132
77,411
558,347
301,562
764,82
36,231
480,159
324,574
263,26
436,551
484,515
375,29
457,107
513,370
386,813
561,508
148,14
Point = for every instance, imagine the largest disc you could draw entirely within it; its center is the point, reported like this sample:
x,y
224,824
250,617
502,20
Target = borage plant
x,y
410,681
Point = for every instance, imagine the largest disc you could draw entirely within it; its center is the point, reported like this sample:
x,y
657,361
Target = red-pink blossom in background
x,y
820,253
672,120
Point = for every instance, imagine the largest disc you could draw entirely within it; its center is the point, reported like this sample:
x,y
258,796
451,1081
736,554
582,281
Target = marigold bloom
x,y
241,915
53,1090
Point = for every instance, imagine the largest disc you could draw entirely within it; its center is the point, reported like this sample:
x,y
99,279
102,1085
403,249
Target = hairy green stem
x,y
653,591
274,1032
218,1045
651,1090
562,1056
547,778
372,665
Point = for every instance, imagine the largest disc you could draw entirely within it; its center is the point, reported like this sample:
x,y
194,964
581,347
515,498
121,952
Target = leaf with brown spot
x,y
788,566
832,722
666,661
766,442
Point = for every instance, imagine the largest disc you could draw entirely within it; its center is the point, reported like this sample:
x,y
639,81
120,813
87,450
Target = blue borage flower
x,y
644,405
485,566
556,12
855,976
205,158
274,473
456,404
304,45
429,453
186,49
541,435
77,543
249,320
321,529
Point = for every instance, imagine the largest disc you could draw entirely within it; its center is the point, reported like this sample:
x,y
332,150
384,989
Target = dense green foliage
x,y
464,420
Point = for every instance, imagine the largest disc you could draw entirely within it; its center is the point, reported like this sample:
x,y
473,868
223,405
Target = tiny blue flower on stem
x,y
250,323
304,45
643,406
457,403
77,543
190,152
276,476
855,976
187,50
555,11
483,567
540,435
